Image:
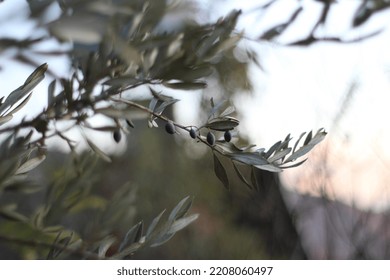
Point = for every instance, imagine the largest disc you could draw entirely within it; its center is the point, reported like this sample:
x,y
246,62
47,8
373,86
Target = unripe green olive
x,y
192,133
170,128
210,138
117,136
227,136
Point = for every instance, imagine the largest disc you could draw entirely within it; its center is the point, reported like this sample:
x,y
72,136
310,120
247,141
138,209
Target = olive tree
x,y
117,47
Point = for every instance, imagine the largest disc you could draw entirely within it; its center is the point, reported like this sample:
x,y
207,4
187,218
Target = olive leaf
x,y
279,155
221,172
249,158
31,82
182,223
153,224
186,85
180,209
30,164
241,176
133,235
98,151
222,123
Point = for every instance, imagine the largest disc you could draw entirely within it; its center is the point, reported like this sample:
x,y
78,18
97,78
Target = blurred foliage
x,y
91,205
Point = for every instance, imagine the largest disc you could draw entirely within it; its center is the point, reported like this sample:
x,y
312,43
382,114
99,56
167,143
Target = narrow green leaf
x,y
269,167
32,81
30,164
225,45
299,139
37,74
284,144
152,104
320,135
133,235
293,165
182,223
9,212
279,155
127,251
153,224
50,93
21,105
122,81
239,174
98,151
221,172
164,105
254,181
64,242
222,124
308,138
362,14
196,73
272,149
180,209
88,202
130,123
5,119
186,85
207,42
229,110
249,158
53,249
300,152
274,32
212,102
215,107
80,28
162,238
228,148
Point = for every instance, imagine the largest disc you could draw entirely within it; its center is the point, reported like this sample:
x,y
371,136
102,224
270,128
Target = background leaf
x,y
221,172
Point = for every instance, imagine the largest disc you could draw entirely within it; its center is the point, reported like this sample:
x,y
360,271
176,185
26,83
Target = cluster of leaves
x,y
117,48
75,195
156,236
278,157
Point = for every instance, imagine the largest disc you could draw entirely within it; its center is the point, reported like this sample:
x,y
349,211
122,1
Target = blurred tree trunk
x,y
266,210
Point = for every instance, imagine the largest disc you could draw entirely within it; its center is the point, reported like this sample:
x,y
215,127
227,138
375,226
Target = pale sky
x,y
302,90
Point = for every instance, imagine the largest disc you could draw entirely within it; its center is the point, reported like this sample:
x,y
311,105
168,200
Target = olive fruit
x,y
227,136
40,125
192,133
117,136
210,138
170,128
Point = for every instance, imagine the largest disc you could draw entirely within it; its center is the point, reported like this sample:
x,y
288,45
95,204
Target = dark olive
x,y
117,136
210,138
170,128
227,136
40,125
192,133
